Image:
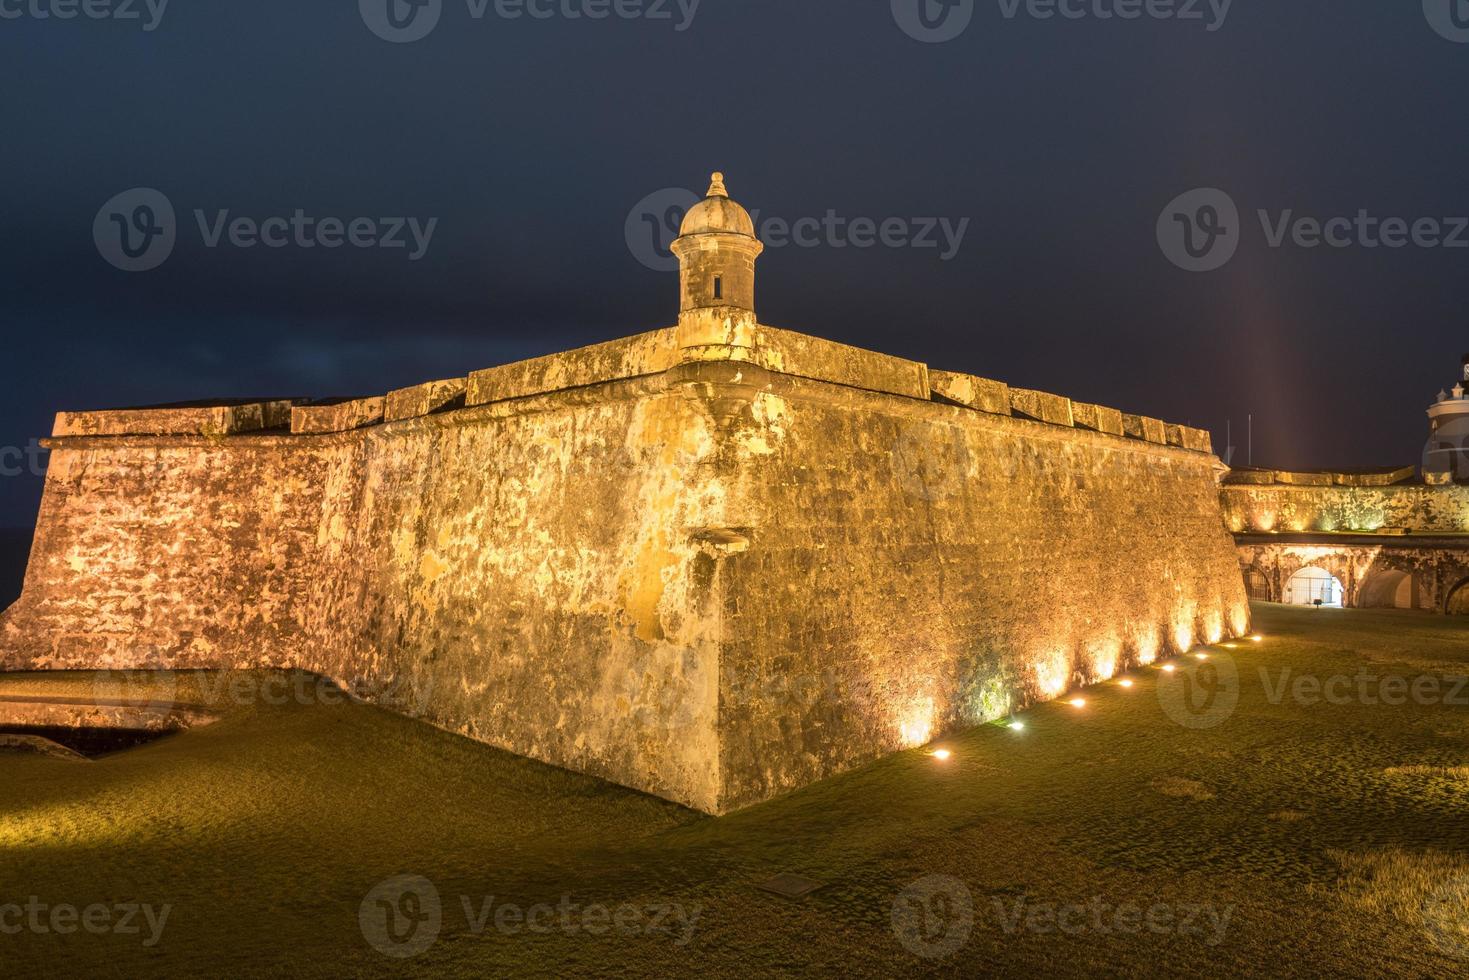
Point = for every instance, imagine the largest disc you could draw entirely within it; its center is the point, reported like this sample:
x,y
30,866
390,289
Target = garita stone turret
x,y
716,251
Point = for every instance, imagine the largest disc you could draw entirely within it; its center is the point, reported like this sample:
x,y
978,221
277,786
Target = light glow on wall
x,y
1148,646
1214,627
1239,618
1105,657
1053,674
916,728
1183,636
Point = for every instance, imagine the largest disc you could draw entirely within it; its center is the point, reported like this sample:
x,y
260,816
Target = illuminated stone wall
x,y
1408,506
1426,573
713,562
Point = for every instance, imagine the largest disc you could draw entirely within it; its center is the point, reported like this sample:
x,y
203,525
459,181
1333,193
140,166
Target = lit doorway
x,y
1314,587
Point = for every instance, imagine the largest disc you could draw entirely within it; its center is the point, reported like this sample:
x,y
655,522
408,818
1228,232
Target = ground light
x,y
1257,638
1126,682
1201,656
1017,726
942,754
1078,702
1168,668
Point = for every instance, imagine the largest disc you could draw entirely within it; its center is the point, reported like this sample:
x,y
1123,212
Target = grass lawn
x,y
1283,835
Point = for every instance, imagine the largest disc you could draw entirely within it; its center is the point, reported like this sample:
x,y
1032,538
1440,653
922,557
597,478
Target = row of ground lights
x,y
1015,724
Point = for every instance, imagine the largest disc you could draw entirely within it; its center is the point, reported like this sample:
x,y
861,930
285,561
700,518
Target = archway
x,y
1388,589
1457,603
1257,585
1313,586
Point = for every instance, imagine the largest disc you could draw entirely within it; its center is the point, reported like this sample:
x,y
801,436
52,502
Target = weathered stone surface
x,y
804,356
336,416
1299,508
1142,427
714,584
630,357
206,420
1199,440
1097,418
1420,571
1041,406
424,399
980,394
51,712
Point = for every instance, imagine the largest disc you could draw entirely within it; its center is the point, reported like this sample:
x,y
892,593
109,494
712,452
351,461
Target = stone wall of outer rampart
x,y
915,567
1415,572
525,576
1412,507
713,562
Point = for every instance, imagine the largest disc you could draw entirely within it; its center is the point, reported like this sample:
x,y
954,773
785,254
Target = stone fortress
x,y
1390,538
714,562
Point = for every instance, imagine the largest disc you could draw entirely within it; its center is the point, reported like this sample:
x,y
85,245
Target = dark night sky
x,y
531,141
